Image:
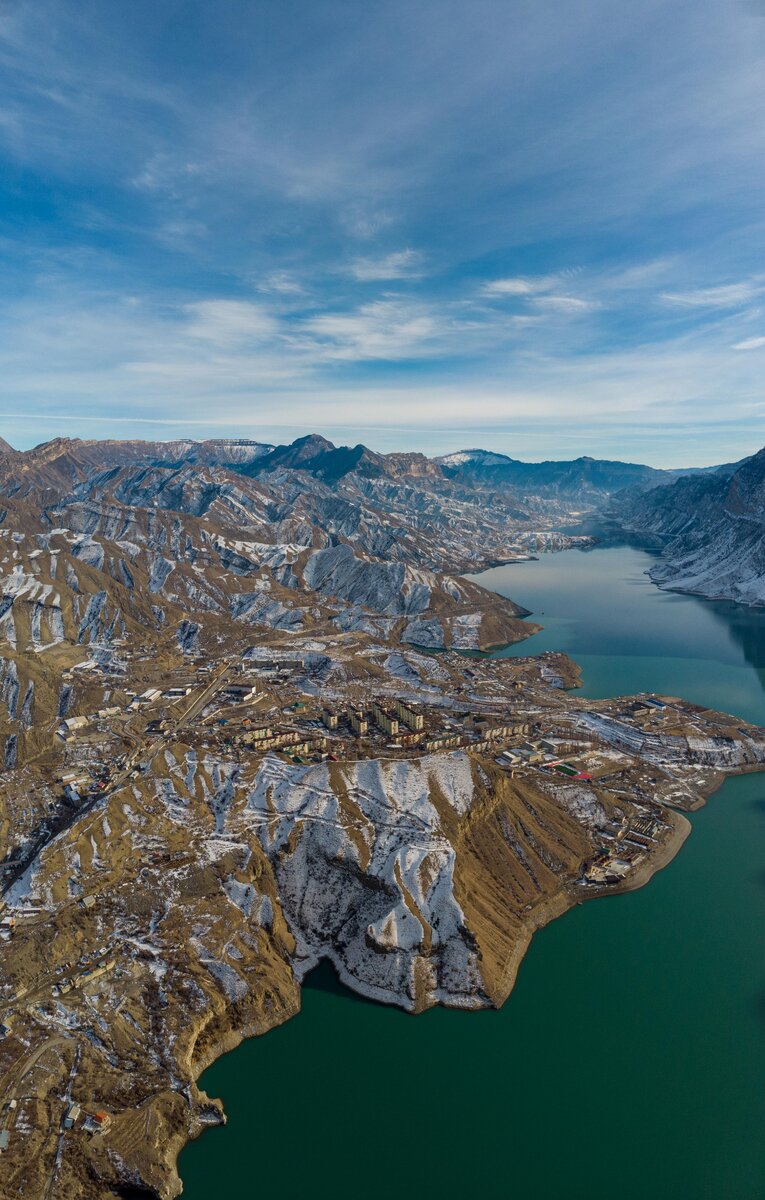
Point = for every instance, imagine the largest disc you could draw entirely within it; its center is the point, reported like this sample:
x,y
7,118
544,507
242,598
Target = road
x,y
17,1072
207,694
62,1132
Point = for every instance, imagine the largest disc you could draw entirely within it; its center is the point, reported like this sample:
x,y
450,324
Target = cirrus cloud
x,y
753,343
401,264
729,295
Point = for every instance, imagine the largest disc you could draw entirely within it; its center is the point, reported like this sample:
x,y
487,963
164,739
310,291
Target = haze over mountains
x,y
584,477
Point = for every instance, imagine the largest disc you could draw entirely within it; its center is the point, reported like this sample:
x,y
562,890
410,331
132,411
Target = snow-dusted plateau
x,y
247,727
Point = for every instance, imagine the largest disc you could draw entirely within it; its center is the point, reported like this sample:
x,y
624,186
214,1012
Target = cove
x,y
628,1062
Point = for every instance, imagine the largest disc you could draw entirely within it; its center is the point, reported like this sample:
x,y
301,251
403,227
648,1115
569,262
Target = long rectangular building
x,y
410,715
385,718
358,722
443,741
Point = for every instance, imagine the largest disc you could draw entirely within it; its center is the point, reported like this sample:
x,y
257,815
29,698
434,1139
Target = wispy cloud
x,y
281,282
401,264
541,293
501,214
391,329
164,172
515,286
229,322
729,295
566,304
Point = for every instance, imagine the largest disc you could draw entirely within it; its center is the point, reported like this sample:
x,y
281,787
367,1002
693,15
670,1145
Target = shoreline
x,y
712,596
228,1042
563,902
542,915
657,861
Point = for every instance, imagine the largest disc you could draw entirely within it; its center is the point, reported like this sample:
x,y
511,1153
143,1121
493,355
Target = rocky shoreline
x,y
541,916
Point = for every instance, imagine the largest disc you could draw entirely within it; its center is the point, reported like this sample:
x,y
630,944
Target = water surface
x,y
629,1061
629,636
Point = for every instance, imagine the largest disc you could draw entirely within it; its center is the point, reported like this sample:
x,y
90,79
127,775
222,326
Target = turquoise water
x,y
628,636
629,1061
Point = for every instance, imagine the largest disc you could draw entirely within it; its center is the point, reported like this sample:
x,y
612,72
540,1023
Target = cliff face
x,y
220,884
712,528
381,866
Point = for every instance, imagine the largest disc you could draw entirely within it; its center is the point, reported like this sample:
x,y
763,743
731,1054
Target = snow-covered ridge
x,y
484,458
713,532
366,873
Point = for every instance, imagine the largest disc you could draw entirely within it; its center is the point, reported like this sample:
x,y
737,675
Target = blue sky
x,y
532,225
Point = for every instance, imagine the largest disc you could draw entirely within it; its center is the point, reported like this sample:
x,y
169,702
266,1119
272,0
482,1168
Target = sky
x,y
534,226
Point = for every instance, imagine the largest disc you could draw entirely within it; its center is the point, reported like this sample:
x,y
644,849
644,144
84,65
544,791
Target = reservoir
x,y
629,1061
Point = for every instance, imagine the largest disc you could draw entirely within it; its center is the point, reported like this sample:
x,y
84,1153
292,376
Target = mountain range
x,y
589,479
711,528
227,758
174,545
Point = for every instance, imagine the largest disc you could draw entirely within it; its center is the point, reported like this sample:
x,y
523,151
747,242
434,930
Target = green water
x,y
629,1061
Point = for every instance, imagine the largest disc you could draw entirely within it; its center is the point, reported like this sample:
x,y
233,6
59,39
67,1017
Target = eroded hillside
x,y
247,727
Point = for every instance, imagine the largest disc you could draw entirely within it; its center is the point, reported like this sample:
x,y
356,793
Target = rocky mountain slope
x,y
179,910
166,545
103,543
712,531
230,752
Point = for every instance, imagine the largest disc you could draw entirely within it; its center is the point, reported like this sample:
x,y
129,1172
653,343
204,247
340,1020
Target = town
x,y
168,765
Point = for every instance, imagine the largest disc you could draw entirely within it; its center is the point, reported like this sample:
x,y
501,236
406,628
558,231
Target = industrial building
x,y
240,693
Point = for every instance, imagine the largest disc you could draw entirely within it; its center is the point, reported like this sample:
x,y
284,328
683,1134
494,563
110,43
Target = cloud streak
x,y
400,264
299,204
730,295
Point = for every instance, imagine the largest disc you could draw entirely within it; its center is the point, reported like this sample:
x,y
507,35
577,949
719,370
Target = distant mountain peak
x,y
298,453
473,457
315,442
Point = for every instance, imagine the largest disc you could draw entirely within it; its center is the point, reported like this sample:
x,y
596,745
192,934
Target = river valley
x,y
629,1060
